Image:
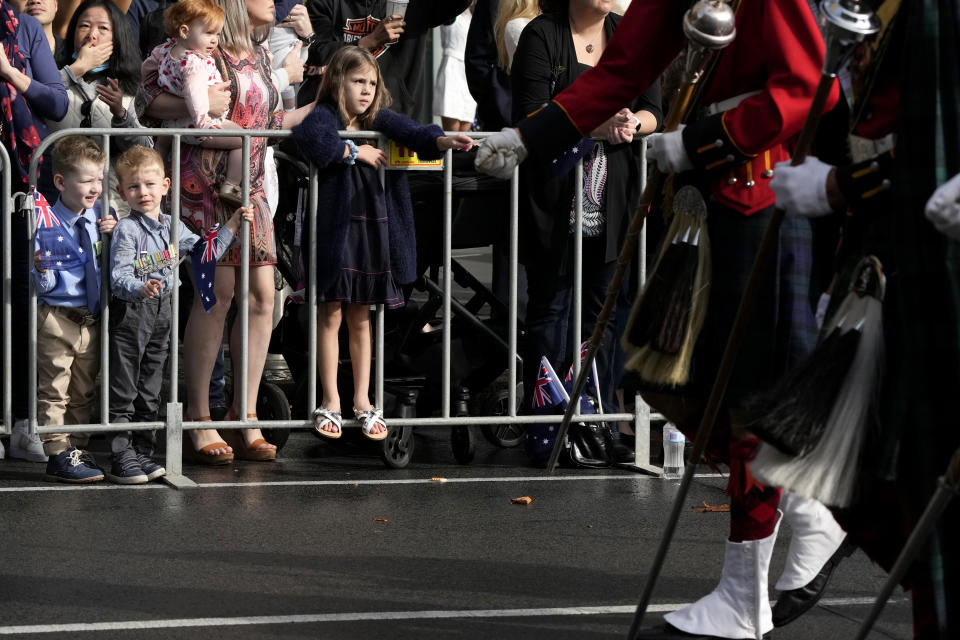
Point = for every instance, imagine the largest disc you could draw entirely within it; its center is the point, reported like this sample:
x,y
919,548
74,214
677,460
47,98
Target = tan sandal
x,y
253,451
204,455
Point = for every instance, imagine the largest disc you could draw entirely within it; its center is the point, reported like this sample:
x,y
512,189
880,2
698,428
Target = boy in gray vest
x,y
143,274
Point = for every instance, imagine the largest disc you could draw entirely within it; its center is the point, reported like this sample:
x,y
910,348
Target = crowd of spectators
x,y
98,64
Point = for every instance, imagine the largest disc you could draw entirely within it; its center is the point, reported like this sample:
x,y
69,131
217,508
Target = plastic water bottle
x,y
673,442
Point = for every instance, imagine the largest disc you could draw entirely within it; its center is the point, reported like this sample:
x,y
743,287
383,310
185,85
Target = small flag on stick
x,y
204,259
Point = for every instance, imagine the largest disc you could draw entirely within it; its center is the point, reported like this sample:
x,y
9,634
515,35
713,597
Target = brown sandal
x,y
252,452
203,456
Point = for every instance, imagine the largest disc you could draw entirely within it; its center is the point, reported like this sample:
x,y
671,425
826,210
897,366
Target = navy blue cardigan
x,y
320,143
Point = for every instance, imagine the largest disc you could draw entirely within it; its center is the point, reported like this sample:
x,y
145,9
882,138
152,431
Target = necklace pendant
x,y
589,48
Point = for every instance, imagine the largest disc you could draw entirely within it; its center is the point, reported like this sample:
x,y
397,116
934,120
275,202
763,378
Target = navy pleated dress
x,y
365,276
365,235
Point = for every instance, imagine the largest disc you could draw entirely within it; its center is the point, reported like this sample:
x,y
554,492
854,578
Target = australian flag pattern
x,y
591,391
204,259
57,248
549,398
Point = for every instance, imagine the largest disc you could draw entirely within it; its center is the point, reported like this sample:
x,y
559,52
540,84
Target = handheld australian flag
x,y
56,246
592,387
203,256
549,398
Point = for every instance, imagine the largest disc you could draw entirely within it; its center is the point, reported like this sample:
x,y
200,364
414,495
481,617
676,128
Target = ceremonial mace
x,y
845,23
947,489
709,27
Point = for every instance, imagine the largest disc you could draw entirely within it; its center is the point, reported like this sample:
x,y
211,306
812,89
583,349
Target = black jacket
x,y
343,22
489,84
544,64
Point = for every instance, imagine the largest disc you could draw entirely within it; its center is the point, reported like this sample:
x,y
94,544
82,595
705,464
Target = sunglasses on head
x,y
85,112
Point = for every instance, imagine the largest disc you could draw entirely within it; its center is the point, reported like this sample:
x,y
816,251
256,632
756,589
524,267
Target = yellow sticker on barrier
x,y
400,157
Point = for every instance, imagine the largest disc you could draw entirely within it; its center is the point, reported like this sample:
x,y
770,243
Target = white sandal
x,y
368,420
321,417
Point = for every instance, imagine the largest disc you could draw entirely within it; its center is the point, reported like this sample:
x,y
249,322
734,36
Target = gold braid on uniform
x,y
864,180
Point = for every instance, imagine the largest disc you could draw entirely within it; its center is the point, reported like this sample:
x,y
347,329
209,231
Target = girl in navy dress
x,y
365,234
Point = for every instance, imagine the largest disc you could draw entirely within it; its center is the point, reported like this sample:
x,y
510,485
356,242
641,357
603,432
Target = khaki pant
x,y
68,360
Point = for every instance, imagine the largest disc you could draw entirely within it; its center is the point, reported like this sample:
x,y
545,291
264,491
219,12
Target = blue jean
x,y
549,323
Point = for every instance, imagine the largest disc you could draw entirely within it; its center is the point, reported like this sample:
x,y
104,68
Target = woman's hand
x,y
17,78
459,141
292,63
219,98
371,155
388,30
618,129
112,96
91,56
298,20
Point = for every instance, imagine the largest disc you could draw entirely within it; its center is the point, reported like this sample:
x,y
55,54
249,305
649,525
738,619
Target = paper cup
x,y
396,7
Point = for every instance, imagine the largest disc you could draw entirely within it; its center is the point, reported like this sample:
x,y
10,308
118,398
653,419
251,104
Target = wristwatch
x,y
309,40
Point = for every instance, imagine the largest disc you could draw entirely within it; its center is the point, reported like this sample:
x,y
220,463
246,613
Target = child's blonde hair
x,y
183,12
510,10
332,87
71,151
138,158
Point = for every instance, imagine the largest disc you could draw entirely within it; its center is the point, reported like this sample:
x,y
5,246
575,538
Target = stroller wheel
x,y
272,405
503,435
463,443
398,447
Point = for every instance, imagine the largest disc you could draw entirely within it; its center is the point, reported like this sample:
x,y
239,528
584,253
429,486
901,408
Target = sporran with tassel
x,y
815,421
667,317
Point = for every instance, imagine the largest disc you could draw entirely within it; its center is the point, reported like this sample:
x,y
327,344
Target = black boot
x,y
794,603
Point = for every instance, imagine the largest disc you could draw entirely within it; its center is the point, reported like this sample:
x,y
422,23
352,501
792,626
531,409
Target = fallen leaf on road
x,y
439,479
711,507
380,520
521,500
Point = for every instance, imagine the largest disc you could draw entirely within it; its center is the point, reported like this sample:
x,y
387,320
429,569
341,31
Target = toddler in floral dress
x,y
186,68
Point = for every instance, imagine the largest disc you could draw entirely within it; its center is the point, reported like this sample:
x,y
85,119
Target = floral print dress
x,y
254,104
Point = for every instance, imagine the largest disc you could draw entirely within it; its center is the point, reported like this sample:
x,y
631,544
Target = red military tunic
x,y
778,51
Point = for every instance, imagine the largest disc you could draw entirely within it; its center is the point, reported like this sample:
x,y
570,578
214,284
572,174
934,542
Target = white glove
x,y
802,190
667,150
943,208
500,153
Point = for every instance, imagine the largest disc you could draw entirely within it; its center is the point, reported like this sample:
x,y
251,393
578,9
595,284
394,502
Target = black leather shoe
x,y
794,603
669,632
621,453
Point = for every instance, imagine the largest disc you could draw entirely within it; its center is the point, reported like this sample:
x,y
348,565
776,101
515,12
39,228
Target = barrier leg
x,y
174,462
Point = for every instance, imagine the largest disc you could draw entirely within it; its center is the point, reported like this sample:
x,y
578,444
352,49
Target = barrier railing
x,y
6,206
174,425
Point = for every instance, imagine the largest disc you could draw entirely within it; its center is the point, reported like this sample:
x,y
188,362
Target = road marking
x,y
320,483
367,616
81,487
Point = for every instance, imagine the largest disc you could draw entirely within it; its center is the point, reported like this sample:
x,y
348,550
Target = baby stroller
x,y
413,339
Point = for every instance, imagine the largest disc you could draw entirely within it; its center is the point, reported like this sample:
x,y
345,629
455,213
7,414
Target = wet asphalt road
x,y
328,543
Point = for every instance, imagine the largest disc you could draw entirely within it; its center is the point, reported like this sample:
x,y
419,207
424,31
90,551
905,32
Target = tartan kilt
x,y
782,328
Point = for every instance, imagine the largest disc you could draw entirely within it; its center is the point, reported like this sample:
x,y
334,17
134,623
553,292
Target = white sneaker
x,y
25,445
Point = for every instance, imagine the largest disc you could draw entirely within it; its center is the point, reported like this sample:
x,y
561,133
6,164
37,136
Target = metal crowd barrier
x,y
6,206
175,425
